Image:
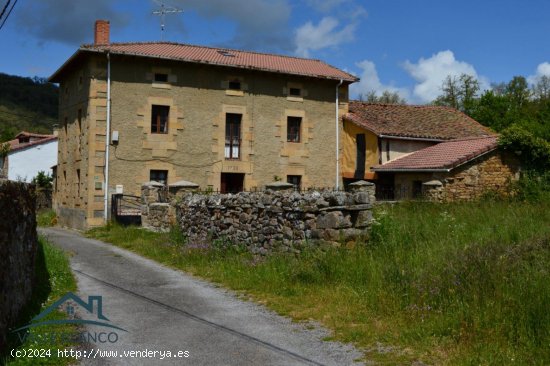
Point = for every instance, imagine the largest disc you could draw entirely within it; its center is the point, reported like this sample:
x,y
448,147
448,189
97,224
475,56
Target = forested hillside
x,y
28,104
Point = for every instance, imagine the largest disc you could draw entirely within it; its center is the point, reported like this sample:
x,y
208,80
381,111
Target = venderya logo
x,y
93,309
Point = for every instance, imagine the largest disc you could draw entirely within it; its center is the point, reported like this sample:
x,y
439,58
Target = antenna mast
x,y
162,13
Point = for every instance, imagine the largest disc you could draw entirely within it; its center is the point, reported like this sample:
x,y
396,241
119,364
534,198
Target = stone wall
x,y
18,246
269,220
489,173
43,199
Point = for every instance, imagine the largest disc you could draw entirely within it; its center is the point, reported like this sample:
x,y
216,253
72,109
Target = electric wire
x,y
8,15
4,10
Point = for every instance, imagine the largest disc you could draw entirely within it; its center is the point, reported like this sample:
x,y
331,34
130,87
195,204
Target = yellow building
x,y
224,119
378,134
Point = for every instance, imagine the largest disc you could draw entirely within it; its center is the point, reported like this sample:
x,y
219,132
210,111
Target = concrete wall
x,y
399,148
25,164
18,246
193,148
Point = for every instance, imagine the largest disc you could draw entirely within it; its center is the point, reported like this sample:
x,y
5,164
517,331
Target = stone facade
x,y
199,102
18,247
490,173
266,221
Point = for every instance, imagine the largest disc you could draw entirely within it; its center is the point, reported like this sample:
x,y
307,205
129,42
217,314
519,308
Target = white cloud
x,y
310,37
431,72
542,70
370,81
325,5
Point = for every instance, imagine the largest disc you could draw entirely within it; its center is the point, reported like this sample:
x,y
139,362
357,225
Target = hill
x,y
28,104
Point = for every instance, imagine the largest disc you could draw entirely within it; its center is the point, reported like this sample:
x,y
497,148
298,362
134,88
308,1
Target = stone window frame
x,y
158,84
294,86
226,85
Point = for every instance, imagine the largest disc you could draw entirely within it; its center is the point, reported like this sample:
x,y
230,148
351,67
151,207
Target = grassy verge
x,y
54,279
46,218
455,284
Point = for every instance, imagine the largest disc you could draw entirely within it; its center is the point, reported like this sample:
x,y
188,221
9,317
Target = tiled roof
x,y
445,155
431,122
35,139
223,57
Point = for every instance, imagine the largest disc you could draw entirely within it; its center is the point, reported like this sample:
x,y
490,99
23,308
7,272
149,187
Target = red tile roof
x,y
430,122
443,156
221,57
34,139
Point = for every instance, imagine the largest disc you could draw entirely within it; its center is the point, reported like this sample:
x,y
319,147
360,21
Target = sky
x,y
404,46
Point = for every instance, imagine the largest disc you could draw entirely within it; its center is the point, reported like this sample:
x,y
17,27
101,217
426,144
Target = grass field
x,y
446,284
54,279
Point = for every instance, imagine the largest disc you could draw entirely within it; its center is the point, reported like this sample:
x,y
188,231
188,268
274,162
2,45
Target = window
x,y
295,180
79,120
360,158
233,135
293,129
161,78
159,118
160,176
235,85
417,189
295,92
78,182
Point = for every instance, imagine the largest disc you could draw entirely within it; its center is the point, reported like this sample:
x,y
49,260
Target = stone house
x,y
29,153
224,119
409,151
460,169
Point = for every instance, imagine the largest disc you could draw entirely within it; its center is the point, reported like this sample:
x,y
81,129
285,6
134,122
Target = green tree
x,y
387,97
43,180
459,92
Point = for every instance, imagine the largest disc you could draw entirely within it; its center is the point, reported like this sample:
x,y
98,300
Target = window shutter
x,y
285,91
225,84
304,92
172,78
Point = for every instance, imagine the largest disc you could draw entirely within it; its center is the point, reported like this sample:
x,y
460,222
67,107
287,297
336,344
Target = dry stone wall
x,y
18,247
266,221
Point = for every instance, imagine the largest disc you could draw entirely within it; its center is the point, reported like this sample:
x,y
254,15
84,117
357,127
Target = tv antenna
x,y
164,9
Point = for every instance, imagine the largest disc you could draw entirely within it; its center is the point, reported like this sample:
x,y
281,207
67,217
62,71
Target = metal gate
x,y
126,209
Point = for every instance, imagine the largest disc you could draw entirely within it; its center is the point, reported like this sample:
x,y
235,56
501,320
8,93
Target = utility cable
x,y
8,15
4,10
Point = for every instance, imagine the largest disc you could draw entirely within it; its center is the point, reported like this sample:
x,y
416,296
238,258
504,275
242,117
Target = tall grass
x,y
453,284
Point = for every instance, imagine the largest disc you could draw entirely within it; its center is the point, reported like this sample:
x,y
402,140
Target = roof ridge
x,y
495,136
427,106
90,45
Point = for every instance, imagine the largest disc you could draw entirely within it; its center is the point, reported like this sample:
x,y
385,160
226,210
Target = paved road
x,y
167,310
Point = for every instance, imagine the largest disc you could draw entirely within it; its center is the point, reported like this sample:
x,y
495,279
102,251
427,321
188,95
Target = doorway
x,y
232,182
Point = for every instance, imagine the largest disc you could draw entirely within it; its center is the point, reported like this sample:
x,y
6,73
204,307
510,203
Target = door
x,y
232,182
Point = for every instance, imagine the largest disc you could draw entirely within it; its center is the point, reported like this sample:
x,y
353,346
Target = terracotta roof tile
x,y
35,139
226,57
439,123
445,155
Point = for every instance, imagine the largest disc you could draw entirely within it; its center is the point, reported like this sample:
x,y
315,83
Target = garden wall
x,y
266,221
18,246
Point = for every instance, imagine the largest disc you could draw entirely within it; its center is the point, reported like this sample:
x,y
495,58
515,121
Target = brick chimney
x,y
101,34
